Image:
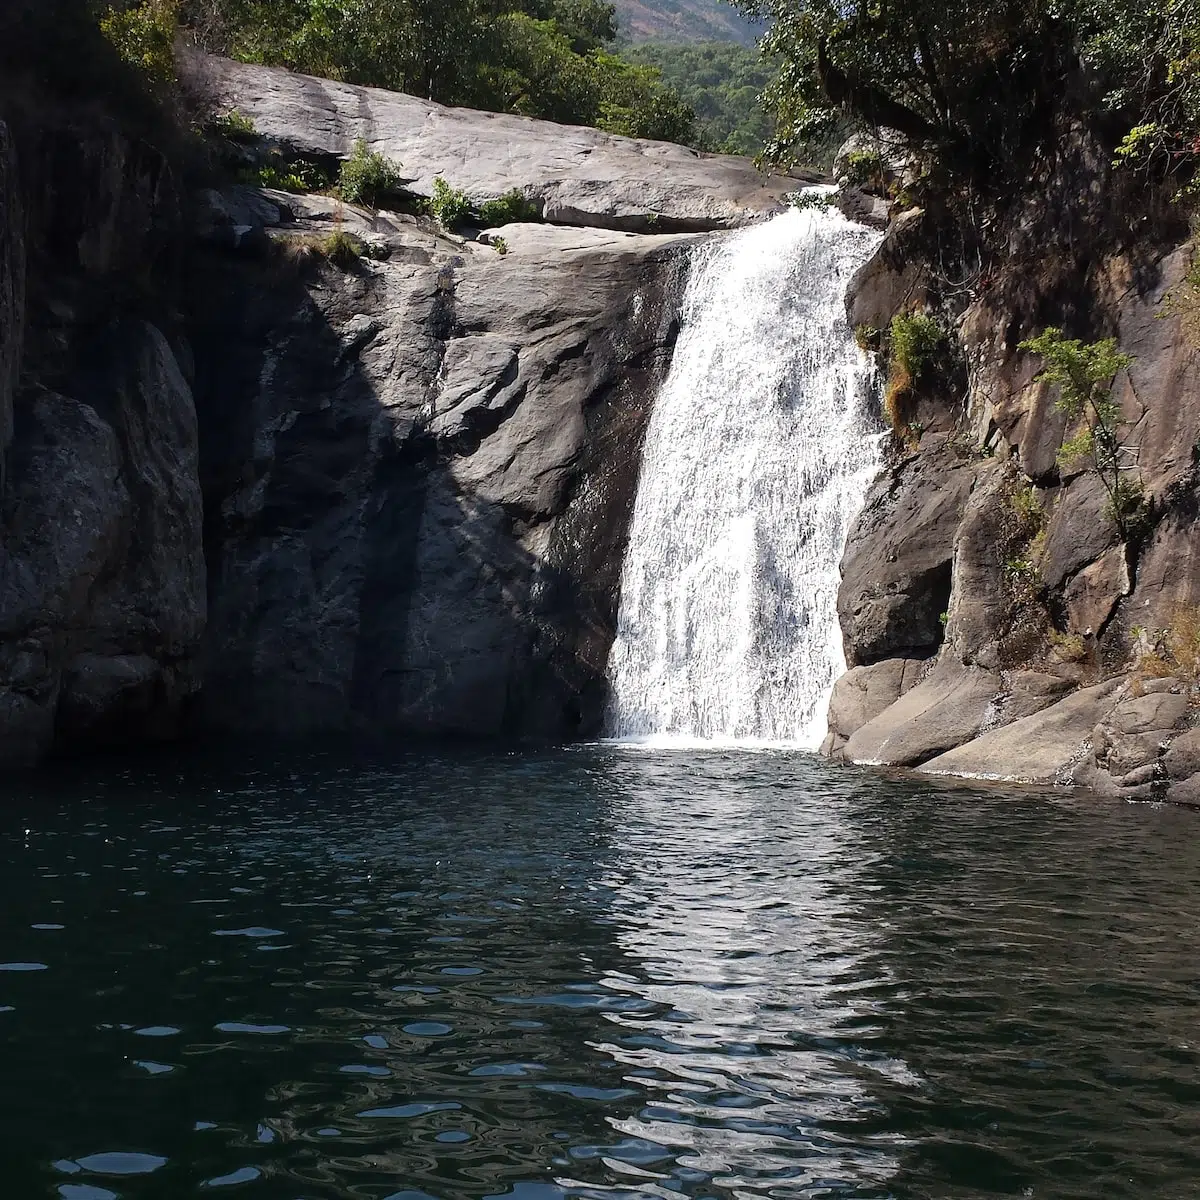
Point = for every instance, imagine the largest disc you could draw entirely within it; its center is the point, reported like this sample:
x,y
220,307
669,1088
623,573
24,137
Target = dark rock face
x,y
897,567
102,600
1049,611
419,474
391,495
102,570
12,286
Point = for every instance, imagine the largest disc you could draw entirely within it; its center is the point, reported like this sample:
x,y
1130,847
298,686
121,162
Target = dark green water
x,y
598,973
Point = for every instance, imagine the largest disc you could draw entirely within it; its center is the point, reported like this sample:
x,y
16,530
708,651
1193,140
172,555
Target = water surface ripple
x,y
605,972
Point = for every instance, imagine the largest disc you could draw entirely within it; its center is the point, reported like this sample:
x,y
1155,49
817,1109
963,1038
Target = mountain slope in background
x,y
684,21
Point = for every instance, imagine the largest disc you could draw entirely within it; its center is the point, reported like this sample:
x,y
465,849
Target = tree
x,y
966,80
541,58
1084,373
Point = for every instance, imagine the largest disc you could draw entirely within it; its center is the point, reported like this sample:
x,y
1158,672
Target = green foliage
x,y
1084,373
367,177
970,84
450,207
722,82
810,200
144,36
541,58
913,341
276,171
1147,56
509,209
866,337
500,246
1027,509
1183,301
342,249
233,126
866,169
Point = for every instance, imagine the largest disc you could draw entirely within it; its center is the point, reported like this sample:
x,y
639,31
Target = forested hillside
x,y
722,82
684,21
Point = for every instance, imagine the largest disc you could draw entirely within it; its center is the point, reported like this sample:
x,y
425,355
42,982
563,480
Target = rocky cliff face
x,y
247,485
419,472
997,622
102,598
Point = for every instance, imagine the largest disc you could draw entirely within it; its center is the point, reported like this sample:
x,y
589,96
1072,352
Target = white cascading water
x,y
758,455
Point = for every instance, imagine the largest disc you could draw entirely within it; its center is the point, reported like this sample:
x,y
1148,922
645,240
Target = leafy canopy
x,y
540,58
975,82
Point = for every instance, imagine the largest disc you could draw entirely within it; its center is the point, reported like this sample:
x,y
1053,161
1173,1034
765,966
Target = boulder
x,y
575,175
1092,596
1079,531
1168,573
1043,748
1182,759
862,693
948,707
894,279
896,571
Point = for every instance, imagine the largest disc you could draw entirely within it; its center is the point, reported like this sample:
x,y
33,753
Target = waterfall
x,y
758,455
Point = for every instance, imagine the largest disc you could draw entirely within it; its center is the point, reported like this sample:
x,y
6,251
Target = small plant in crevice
x,y
450,207
1174,651
367,177
1084,373
1027,510
1183,301
866,169
867,338
1068,647
232,126
913,341
277,171
511,208
500,246
342,249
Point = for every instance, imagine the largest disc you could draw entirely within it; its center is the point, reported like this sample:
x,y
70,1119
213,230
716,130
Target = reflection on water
x,y
604,972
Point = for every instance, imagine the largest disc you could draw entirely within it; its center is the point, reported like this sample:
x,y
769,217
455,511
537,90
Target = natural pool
x,y
595,972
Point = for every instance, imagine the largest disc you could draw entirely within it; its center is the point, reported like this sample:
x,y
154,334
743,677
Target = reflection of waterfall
x,y
757,456
762,1050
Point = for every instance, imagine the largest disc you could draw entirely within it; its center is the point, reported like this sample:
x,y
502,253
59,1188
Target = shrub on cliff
x,y
448,205
144,36
912,343
1083,373
368,177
